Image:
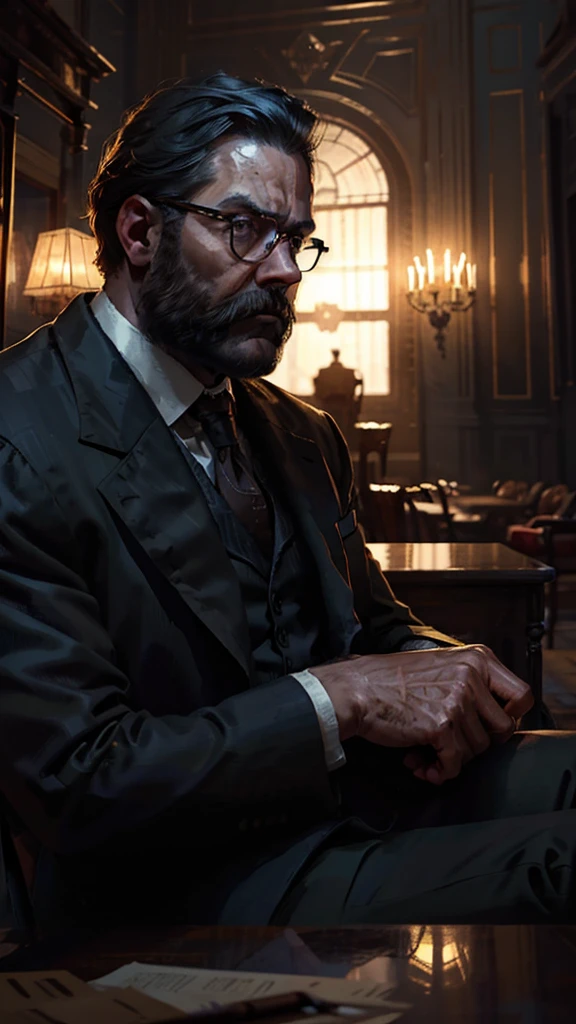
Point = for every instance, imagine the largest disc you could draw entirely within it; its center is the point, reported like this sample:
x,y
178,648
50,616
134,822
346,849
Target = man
x,y
193,638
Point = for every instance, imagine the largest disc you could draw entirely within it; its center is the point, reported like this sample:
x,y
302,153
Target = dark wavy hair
x,y
163,146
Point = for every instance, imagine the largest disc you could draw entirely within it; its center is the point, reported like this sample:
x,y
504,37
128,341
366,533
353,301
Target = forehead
x,y
272,179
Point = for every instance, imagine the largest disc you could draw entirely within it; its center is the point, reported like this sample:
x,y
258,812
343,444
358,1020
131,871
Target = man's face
x,y
202,303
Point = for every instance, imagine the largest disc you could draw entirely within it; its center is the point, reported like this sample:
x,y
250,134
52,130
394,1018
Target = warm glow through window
x,y
351,213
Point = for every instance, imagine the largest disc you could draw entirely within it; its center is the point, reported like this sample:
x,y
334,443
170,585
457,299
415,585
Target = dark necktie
x,y
234,477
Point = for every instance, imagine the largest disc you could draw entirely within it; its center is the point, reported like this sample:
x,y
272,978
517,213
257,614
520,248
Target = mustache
x,y
272,302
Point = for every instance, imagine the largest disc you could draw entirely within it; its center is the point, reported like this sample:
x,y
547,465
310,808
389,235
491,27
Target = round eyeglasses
x,y
253,236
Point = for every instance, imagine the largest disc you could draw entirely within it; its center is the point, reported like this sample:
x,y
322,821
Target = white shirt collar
x,y
172,387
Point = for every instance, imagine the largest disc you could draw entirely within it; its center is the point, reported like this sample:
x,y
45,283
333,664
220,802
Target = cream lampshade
x,y
63,265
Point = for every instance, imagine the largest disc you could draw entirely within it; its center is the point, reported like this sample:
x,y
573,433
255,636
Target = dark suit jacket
x,y
130,733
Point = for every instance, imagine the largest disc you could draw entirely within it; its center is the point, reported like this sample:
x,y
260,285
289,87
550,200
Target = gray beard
x,y
175,315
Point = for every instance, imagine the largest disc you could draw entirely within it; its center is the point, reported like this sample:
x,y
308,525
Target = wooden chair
x,y
370,438
392,515
436,514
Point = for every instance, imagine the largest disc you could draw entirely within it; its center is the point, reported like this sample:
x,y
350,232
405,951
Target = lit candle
x,y
447,266
469,276
421,271
473,282
411,278
458,270
431,267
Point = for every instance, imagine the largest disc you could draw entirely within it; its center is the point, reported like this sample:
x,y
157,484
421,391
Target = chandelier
x,y
438,300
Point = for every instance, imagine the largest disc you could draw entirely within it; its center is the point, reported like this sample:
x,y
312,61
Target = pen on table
x,y
271,1006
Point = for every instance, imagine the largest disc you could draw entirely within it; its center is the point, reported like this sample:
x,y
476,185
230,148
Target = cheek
x,y
210,261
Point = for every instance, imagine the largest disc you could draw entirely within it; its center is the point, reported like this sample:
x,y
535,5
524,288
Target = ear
x,y
139,228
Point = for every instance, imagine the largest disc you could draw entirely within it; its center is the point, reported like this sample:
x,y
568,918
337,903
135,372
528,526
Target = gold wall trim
x,y
525,254
306,18
343,77
560,86
560,57
393,8
37,163
371,115
546,269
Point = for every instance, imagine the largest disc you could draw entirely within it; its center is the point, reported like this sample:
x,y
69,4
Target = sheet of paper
x,y
191,989
114,1006
22,990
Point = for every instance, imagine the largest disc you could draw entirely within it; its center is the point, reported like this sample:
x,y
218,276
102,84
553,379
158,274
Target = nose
x,y
279,267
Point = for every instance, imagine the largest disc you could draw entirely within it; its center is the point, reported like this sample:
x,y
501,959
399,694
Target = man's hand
x,y
455,700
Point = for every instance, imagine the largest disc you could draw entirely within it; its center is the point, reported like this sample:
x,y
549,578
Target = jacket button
x,y
281,637
276,604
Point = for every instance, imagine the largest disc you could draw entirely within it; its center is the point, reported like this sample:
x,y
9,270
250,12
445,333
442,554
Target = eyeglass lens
x,y
253,239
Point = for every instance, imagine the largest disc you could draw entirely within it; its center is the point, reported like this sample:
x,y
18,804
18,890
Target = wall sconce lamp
x,y
459,297
62,266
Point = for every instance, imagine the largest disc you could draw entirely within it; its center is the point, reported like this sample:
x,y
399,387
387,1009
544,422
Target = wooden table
x,y
480,593
520,974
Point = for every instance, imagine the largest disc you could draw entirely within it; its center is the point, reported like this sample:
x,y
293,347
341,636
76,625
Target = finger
x,y
514,691
476,735
419,757
451,748
497,722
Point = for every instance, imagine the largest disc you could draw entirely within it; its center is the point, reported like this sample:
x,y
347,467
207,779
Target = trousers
x,y
497,844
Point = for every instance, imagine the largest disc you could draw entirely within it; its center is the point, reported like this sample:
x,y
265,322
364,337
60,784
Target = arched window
x,y
349,290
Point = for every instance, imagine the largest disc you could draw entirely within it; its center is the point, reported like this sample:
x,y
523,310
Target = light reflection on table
x,y
477,561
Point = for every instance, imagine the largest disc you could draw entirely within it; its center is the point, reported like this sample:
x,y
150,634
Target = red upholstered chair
x,y
550,539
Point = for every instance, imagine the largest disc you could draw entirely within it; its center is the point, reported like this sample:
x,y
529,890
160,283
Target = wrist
x,y
337,680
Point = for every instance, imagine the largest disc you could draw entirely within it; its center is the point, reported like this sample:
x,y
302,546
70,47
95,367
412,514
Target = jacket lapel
x,y
151,489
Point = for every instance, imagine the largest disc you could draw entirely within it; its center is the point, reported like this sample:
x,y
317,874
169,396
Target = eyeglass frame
x,y
280,236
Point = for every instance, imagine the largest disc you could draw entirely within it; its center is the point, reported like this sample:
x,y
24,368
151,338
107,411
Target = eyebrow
x,y
242,200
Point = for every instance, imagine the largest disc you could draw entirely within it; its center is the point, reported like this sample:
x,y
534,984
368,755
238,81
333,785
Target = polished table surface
x,y
522,974
442,563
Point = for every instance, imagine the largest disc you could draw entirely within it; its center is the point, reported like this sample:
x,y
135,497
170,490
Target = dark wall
x,y
515,383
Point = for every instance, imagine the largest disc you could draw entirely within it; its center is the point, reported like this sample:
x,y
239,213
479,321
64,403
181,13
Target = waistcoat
x,y
281,595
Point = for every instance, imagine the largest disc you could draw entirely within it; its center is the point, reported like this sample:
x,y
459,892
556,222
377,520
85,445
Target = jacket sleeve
x,y
386,623
78,765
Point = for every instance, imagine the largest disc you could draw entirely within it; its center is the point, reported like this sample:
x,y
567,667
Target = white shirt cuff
x,y
419,643
324,708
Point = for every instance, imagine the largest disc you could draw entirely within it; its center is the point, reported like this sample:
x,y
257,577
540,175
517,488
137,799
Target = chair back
x,y
513,490
567,507
392,516
551,500
371,438
533,496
